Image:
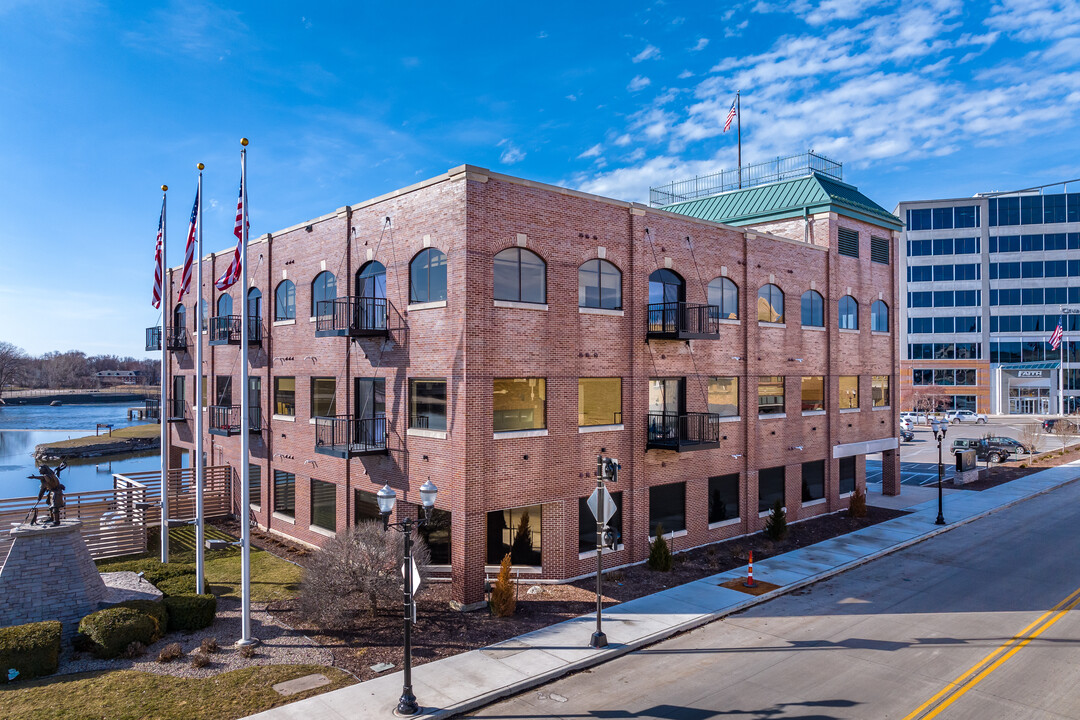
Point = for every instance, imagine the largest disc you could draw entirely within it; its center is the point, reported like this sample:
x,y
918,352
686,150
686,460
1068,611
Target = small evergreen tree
x,y
503,602
776,526
857,508
659,552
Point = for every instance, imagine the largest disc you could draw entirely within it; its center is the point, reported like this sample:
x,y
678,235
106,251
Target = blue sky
x,y
104,102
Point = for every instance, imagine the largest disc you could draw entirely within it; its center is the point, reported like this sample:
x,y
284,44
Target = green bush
x,y
191,612
155,609
154,571
33,649
180,585
776,526
112,630
659,552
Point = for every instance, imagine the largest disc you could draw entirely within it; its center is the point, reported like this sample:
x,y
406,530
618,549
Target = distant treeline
x,y
71,369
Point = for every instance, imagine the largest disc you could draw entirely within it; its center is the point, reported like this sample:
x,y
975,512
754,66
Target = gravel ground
x,y
280,645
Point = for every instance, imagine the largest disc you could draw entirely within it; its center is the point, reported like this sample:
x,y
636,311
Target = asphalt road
x,y
978,621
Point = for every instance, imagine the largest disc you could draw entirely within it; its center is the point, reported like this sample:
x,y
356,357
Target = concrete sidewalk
x,y
463,682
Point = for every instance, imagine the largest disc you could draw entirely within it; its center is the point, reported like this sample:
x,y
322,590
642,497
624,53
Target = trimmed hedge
x,y
155,609
112,630
154,571
191,612
32,649
180,585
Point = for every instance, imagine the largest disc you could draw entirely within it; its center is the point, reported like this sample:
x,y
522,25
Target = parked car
x,y
1050,423
959,416
906,424
984,449
1017,447
906,435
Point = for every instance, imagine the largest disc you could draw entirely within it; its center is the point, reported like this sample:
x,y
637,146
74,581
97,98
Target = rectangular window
x,y
879,388
1056,268
922,377
813,480
919,219
600,401
519,404
943,325
969,271
879,250
723,498
724,396
1030,243
587,523
813,393
436,533
1057,296
1055,241
965,376
921,273
516,531
921,325
667,508
944,377
1031,269
968,351
944,298
365,507
943,272
1053,208
223,390
967,324
323,397
284,493
967,246
921,299
965,216
1031,296
943,218
255,484
967,298
1009,211
205,381
285,396
944,351
770,488
847,475
1008,243
770,391
943,246
849,392
1031,211
427,404
324,505
847,242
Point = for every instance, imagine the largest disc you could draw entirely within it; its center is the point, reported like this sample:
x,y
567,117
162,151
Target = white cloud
x,y
571,97
702,43
592,152
1032,20
639,82
541,35
685,74
651,52
511,153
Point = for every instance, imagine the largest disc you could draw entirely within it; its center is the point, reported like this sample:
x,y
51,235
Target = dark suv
x,y
984,449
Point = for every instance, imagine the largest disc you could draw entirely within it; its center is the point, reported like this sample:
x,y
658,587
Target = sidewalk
x,y
464,682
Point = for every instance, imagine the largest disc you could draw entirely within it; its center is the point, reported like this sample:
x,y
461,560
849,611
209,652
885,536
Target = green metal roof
x,y
812,193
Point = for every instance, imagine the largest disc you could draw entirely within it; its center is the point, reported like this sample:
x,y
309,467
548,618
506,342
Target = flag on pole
x,y
1055,337
232,273
731,113
189,249
159,261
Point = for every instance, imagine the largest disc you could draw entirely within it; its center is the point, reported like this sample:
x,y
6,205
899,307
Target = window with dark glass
x,y
516,531
324,505
284,493
255,484
223,390
879,389
919,219
943,218
770,488
179,317
323,397
943,246
224,305
665,286
520,276
813,393
849,392
770,394
966,246
205,315
323,292
920,325
427,404
285,396
965,216
587,523
667,508
365,507
944,298
813,309
770,304
724,294
849,313
944,377
813,480
599,401
847,475
519,404
724,396
285,301
943,325
371,281
920,273
943,272
427,276
1031,210
599,285
254,300
202,394
879,316
723,498
436,533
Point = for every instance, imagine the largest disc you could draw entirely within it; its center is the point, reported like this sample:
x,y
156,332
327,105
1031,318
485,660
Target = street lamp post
x,y
386,498
940,429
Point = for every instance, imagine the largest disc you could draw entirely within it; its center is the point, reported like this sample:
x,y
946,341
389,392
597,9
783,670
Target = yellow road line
x,y
969,675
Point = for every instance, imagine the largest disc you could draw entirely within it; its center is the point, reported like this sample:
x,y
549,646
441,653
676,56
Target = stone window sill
x,y
592,553
811,503
599,311
279,323
413,307
285,418
849,331
772,416
322,531
882,407
724,523
598,428
849,410
767,513
668,536
771,325
847,494
511,434
520,305
729,321
815,328
523,569
730,418
421,432
811,413
879,333
285,518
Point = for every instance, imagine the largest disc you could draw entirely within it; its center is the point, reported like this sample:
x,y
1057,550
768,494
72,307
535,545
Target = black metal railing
x,y
420,422
681,432
153,338
152,409
683,321
352,316
176,338
345,435
225,330
255,419
225,419
177,410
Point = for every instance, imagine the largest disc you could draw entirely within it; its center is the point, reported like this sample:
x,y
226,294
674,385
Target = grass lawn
x,y
151,430
132,695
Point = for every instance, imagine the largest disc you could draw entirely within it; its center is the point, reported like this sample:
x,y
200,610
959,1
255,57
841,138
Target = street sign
x,y
415,576
602,505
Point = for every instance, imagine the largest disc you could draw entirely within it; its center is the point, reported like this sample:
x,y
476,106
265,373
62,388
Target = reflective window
x,y
519,404
665,286
285,301
879,390
427,276
285,396
770,394
427,404
599,285
224,305
599,401
724,498
284,493
849,313
724,396
371,281
324,505
770,488
724,294
516,532
323,291
879,316
849,392
179,317
847,475
323,397
254,299
770,304
813,480
667,508
813,309
813,393
520,276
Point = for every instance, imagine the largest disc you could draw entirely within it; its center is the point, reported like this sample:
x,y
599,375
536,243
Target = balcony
x,y
176,339
225,330
351,317
683,321
153,338
152,409
682,433
345,436
177,411
225,420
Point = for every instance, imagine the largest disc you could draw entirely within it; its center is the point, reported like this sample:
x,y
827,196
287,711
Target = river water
x,y
22,427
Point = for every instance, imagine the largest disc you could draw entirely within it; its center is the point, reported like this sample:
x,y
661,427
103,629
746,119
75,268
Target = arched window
x,y
849,313
599,285
371,280
179,317
323,289
879,317
254,299
520,276
224,305
285,301
724,294
665,286
813,309
427,276
770,304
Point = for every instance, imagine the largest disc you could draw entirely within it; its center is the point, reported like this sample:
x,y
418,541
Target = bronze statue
x,y
53,492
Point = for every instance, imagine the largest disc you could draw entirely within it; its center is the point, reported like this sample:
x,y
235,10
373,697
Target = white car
x,y
960,416
906,423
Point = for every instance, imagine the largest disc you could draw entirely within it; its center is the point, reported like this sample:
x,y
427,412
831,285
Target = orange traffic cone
x,y
750,571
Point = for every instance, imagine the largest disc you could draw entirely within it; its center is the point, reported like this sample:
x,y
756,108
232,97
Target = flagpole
x,y
198,461
245,465
164,395
1061,370
738,120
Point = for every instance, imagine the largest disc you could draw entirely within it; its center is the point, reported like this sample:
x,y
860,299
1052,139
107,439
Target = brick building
x,y
496,334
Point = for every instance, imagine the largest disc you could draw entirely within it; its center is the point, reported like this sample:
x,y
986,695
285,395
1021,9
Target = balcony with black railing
x,y
682,321
352,317
225,330
152,409
683,432
225,420
153,338
177,410
176,339
347,436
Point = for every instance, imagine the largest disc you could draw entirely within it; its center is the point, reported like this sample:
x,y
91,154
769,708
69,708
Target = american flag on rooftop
x,y
731,113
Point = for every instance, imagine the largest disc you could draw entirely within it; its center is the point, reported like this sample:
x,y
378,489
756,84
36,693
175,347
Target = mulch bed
x,y
1007,472
441,632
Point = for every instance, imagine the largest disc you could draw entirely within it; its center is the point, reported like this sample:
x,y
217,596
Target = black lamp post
x,y
386,498
940,429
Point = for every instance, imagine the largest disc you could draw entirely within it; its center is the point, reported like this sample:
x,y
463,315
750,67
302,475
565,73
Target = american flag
x,y
189,249
1055,337
159,261
731,113
232,273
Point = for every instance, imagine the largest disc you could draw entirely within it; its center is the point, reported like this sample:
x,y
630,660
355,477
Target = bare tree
x,y
12,362
1064,430
1031,437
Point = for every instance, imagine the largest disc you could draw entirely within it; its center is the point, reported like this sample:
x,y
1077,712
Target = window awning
x,y
1032,366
